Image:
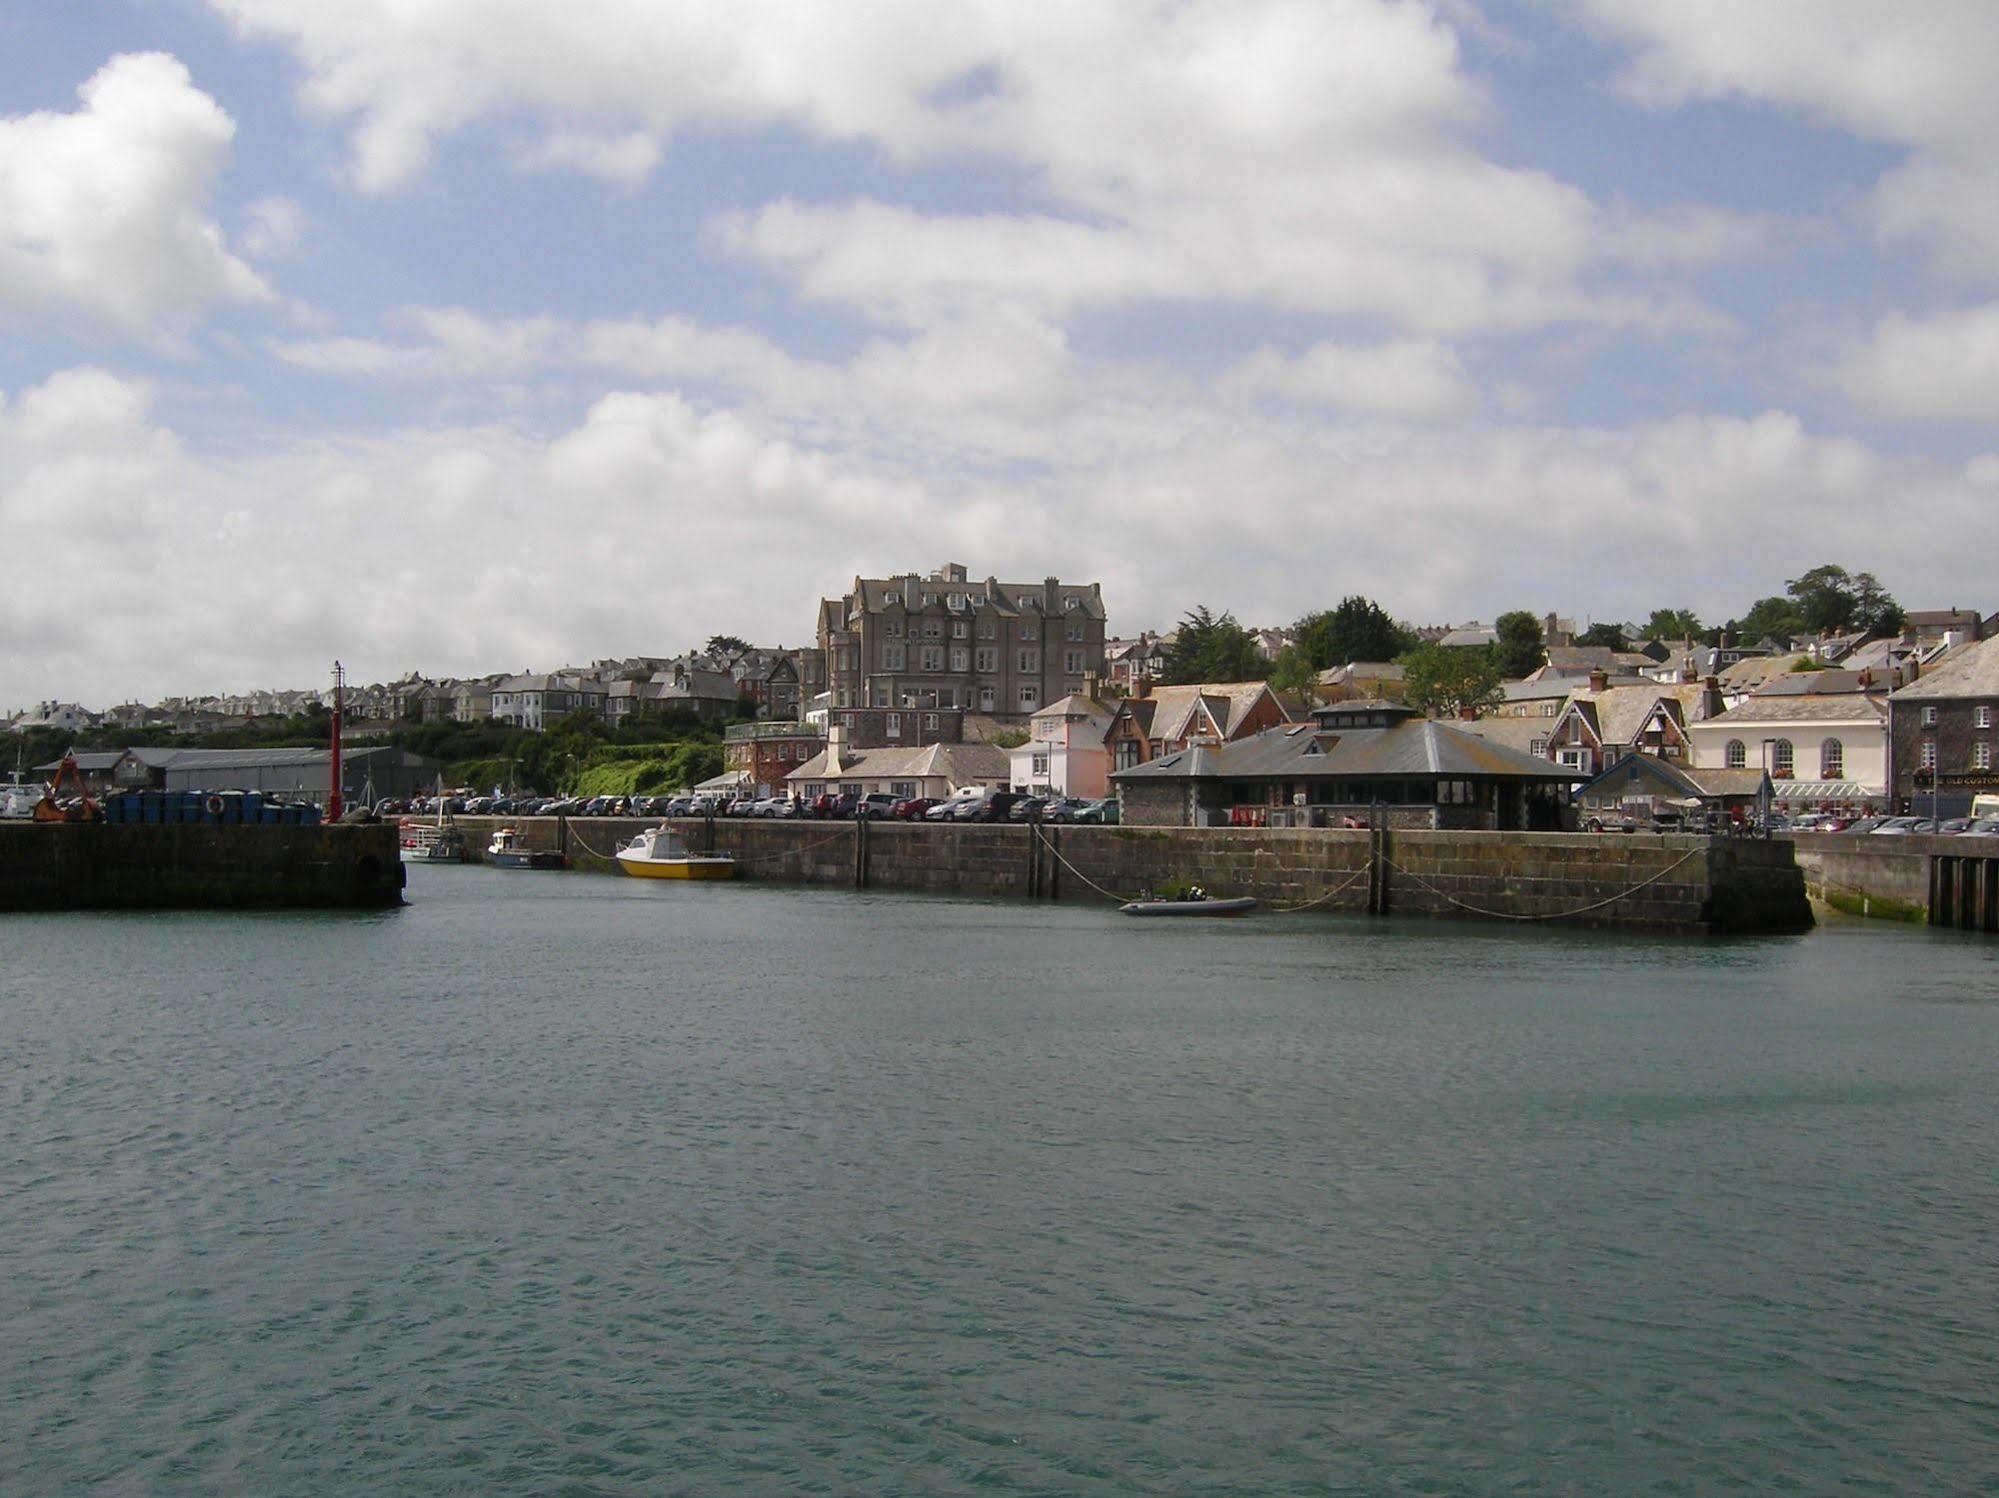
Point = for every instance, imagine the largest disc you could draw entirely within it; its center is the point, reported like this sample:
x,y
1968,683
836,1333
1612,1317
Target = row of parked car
x,y
1899,826
971,805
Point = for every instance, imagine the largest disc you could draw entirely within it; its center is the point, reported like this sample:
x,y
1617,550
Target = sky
x,y
493,335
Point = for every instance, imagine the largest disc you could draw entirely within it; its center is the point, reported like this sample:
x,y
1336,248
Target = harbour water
x,y
567,1183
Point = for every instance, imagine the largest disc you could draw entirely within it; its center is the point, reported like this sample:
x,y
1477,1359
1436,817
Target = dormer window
x,y
956,600
891,597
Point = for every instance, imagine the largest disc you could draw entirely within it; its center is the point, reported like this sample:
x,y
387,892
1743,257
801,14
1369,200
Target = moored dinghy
x,y
1195,901
660,853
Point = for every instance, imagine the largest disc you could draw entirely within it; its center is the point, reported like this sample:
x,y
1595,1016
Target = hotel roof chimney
x,y
1599,679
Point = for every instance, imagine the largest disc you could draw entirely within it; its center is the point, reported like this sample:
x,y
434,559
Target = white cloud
x,y
1912,74
1408,379
1942,368
272,228
626,159
1309,157
1168,504
104,212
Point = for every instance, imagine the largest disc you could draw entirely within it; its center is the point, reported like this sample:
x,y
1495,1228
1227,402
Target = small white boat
x,y
661,853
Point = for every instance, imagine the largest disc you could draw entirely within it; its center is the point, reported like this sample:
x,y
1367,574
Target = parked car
x,y
1864,824
1102,813
912,808
1902,826
1984,827
1063,809
958,801
781,807
876,806
742,806
1027,809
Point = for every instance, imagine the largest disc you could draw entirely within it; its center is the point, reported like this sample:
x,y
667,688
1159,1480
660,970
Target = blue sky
x,y
514,335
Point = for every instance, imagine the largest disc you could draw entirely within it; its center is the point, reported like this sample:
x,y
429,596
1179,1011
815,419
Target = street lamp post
x,y
1769,775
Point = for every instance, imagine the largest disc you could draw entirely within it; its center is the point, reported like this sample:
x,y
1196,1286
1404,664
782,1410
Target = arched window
x,y
1782,760
1736,755
1832,760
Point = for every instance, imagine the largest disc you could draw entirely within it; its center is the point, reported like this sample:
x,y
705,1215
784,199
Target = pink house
x,y
1065,753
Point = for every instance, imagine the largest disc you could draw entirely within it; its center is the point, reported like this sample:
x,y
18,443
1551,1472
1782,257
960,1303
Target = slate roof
x,y
1409,748
959,764
1799,707
1228,703
1969,671
1679,780
1517,734
1619,714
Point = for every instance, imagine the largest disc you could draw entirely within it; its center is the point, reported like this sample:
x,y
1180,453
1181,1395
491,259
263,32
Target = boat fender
x,y
215,806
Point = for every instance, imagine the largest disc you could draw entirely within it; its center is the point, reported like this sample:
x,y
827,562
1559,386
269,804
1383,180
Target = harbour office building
x,y
999,649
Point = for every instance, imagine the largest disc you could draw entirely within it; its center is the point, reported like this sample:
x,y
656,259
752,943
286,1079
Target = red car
x,y
912,808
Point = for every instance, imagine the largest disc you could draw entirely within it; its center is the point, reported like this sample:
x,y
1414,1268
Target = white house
x,y
1823,750
1065,753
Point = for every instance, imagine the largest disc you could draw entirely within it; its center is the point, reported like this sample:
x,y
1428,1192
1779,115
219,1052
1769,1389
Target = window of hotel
x,y
1028,629
1832,760
956,600
894,725
1981,717
892,628
933,657
1075,629
987,658
930,722
1736,755
892,657
1929,717
988,629
933,629
1072,662
1981,756
1929,756
1783,760
1030,698
891,597
960,629
1069,602
1030,660
961,658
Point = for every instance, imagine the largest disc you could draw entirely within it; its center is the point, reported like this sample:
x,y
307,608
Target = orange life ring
x,y
215,806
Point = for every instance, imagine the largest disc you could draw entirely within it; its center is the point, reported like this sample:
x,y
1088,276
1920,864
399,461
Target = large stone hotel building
x,y
944,641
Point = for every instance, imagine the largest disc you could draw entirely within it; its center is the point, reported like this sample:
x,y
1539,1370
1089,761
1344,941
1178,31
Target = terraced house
x,y
942,641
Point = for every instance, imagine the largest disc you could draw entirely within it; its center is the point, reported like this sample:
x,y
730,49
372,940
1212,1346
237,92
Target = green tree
x,y
1673,625
1767,616
1604,636
1521,648
1832,600
1358,629
1211,648
1445,681
726,645
1293,671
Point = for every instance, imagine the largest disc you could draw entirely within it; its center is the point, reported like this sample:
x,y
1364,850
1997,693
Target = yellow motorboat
x,y
660,853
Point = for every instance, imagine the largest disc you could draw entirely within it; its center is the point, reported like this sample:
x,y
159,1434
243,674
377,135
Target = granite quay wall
x,y
1946,881
1668,883
96,866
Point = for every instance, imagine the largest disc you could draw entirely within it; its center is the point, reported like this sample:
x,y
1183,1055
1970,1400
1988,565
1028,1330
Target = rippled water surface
x,y
565,1183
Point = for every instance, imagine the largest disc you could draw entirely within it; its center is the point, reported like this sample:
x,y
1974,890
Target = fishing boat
x,y
1194,902
425,842
661,853
507,851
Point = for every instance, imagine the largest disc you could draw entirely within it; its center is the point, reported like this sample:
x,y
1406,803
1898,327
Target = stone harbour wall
x,y
99,866
1645,881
